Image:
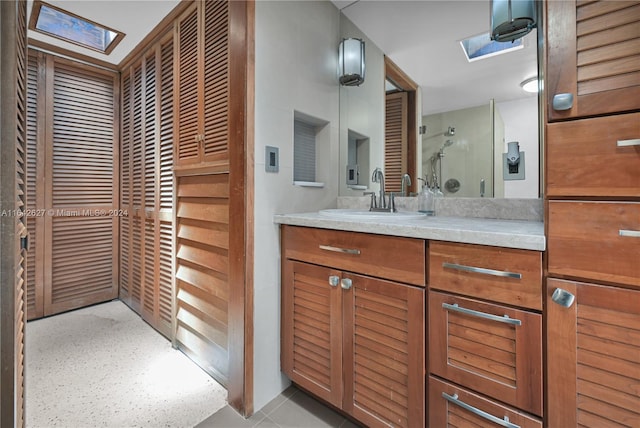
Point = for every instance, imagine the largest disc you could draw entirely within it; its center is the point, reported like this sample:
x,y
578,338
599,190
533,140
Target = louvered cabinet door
x,y
188,87
126,201
216,80
593,354
312,329
592,53
384,352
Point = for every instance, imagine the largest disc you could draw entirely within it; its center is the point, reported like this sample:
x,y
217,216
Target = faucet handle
x,y
392,202
373,199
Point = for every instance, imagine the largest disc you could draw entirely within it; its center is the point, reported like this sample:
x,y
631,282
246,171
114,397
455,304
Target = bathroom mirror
x,y
481,99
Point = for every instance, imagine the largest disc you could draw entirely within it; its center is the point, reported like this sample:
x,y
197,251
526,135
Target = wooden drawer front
x,y
500,357
452,406
594,157
389,257
451,268
595,240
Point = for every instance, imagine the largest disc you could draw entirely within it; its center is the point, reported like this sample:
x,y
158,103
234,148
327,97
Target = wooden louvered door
x,y
593,51
312,329
384,367
35,194
146,283
202,84
77,185
395,140
593,349
13,205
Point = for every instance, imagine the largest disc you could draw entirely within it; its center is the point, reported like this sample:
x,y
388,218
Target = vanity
x,y
415,321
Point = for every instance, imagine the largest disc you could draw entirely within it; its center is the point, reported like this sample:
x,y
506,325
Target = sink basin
x,y
370,215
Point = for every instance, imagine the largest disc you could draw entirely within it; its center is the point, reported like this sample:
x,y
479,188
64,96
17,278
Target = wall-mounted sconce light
x,y
351,62
530,85
511,19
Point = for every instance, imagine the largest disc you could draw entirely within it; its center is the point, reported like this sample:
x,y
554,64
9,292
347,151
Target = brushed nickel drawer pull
x,y
629,233
474,269
340,250
629,143
504,319
334,280
488,416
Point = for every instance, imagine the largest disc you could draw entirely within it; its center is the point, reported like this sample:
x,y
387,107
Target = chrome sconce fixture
x,y
511,19
351,62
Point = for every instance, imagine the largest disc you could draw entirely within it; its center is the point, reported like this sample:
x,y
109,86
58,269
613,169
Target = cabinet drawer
x,y
595,240
594,157
492,349
504,275
452,406
389,257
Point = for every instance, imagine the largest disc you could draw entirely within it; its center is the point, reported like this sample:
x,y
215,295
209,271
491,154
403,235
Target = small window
x,y
63,25
481,46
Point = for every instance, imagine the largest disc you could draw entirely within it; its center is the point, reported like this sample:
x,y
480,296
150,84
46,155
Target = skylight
x,y
481,46
63,25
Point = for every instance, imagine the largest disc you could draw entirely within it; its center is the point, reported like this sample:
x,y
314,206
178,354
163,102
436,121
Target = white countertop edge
x,y
526,235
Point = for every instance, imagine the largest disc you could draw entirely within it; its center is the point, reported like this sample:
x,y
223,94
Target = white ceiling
x,y
135,18
422,38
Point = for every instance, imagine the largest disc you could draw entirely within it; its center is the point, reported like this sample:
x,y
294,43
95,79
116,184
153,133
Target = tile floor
x,y
291,409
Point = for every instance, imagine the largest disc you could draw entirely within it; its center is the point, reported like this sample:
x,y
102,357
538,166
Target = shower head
x,y
451,131
448,143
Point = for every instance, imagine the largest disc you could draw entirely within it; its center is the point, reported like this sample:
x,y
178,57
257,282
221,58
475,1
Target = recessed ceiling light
x,y
530,85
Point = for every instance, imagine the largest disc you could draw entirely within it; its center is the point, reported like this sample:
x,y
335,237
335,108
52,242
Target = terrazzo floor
x,y
103,366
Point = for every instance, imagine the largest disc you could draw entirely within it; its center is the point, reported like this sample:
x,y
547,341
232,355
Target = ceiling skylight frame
x,y
482,43
86,31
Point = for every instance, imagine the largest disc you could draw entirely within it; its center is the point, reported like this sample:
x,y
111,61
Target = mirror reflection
x,y
466,112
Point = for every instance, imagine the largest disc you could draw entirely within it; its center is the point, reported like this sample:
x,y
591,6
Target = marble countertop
x,y
527,235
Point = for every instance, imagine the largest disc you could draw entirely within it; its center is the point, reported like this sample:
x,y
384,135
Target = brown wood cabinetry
x,y
593,218
594,355
146,194
592,55
353,340
478,342
453,406
202,85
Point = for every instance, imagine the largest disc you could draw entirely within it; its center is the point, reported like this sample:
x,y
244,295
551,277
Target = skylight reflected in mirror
x,y
58,23
481,46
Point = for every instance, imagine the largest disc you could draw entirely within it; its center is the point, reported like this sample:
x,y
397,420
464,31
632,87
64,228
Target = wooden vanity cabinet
x,y
485,327
352,339
592,161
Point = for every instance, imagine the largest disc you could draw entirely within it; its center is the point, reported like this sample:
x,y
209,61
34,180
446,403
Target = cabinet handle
x,y
484,271
629,233
346,283
563,297
340,250
334,280
629,143
504,319
562,101
488,416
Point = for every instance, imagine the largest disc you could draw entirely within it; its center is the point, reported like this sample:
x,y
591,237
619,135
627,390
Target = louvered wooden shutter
x,y
188,89
126,200
216,80
165,197
395,140
147,252
82,174
35,198
202,269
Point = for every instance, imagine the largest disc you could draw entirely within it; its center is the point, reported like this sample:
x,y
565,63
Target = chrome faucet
x,y
378,177
405,183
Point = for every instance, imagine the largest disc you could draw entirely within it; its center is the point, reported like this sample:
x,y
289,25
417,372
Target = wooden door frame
x,y
9,239
393,73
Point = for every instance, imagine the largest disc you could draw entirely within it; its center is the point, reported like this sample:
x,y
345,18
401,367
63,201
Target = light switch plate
x,y
271,159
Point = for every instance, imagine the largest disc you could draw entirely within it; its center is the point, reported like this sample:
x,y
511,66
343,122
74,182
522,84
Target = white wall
x,y
521,125
296,69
